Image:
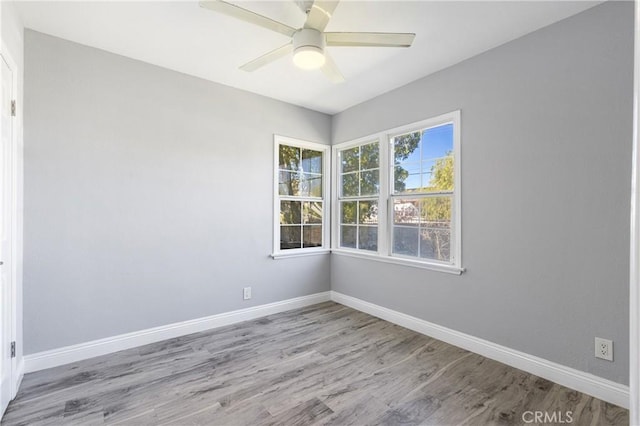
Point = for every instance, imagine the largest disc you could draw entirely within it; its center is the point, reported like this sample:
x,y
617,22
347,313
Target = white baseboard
x,y
69,354
598,387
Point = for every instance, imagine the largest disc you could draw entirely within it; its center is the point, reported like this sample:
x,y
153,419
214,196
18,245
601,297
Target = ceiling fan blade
x,y
248,16
268,58
330,69
320,13
370,39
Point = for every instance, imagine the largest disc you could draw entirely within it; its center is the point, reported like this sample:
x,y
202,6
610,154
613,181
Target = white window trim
x,y
277,253
384,226
431,265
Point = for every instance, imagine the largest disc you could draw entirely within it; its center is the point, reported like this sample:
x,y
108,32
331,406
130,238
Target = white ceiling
x,y
184,37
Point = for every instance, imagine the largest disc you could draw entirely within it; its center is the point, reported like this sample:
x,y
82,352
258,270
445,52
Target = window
x,y
423,191
300,192
402,203
359,184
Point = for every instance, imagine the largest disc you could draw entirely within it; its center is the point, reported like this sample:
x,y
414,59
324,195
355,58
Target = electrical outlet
x,y
604,349
246,293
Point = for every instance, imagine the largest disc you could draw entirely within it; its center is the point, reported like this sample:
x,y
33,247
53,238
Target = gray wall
x,y
546,160
148,196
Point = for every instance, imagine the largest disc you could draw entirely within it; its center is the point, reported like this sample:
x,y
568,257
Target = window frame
x,y
386,195
277,252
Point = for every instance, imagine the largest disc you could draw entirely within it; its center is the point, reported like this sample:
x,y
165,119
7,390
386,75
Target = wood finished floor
x,y
324,364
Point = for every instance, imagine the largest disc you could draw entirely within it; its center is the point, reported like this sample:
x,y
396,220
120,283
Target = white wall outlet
x,y
604,349
246,293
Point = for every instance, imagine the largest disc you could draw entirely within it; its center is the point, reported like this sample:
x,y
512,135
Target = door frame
x,y
12,174
634,259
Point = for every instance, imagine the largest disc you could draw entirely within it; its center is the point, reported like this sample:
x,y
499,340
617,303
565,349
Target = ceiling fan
x,y
308,43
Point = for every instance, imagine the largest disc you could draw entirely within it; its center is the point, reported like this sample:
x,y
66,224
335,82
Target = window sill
x,y
285,255
449,269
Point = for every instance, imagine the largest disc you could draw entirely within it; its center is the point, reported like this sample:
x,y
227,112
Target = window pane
x,y
368,238
439,176
368,212
312,212
407,177
349,185
406,147
423,161
350,160
289,157
288,183
435,244
315,186
290,237
312,235
310,185
437,142
311,161
290,212
427,170
435,225
399,176
405,240
435,212
348,236
406,211
370,156
348,212
369,182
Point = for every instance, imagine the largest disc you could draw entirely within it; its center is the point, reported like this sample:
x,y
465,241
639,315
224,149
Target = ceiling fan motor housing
x,y
308,42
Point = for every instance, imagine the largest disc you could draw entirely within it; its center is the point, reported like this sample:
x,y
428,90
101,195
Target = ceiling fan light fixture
x,y
308,57
308,43
308,49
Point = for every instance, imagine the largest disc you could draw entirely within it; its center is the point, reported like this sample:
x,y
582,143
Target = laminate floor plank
x,y
319,365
